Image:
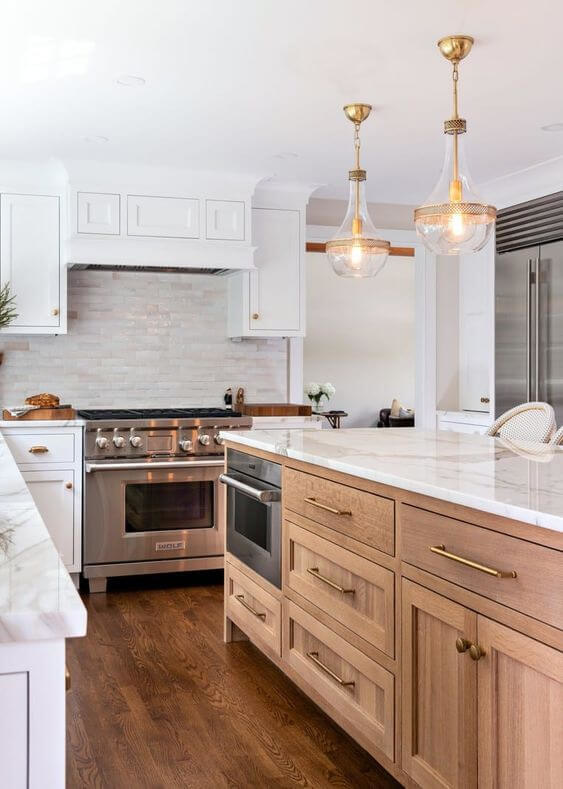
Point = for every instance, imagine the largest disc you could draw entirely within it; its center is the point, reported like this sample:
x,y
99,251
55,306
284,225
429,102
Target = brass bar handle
x,y
242,601
67,679
316,574
38,450
314,656
311,500
441,551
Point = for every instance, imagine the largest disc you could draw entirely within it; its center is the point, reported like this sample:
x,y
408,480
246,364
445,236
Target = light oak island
x,y
422,598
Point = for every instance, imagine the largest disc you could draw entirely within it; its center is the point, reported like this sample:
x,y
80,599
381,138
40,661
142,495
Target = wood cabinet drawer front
x,y
537,589
363,516
253,609
357,688
356,592
41,447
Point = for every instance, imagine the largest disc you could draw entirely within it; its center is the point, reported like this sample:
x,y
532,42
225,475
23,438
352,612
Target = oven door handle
x,y
264,496
90,467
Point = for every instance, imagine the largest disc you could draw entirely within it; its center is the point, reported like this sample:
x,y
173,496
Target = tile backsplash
x,y
137,339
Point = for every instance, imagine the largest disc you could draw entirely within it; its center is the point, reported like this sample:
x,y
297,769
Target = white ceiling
x,y
240,85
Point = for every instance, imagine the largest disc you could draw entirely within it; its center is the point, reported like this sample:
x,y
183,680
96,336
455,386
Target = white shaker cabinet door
x,y
275,287
225,220
98,213
53,494
30,258
162,217
13,730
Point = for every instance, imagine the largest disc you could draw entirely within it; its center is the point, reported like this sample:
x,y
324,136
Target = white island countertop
x,y
523,482
37,597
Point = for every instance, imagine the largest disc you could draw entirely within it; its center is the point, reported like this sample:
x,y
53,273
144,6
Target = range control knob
x,y
204,440
218,439
135,441
118,441
101,441
186,445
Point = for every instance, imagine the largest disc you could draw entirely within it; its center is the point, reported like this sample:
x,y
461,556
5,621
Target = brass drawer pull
x,y
485,400
441,551
316,574
315,503
242,601
314,656
38,450
67,679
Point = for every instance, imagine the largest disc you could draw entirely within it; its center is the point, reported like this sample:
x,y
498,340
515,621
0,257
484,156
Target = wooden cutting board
x,y
274,409
60,412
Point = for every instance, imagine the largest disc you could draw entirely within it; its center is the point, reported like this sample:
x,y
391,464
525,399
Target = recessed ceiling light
x,y
96,138
553,127
130,81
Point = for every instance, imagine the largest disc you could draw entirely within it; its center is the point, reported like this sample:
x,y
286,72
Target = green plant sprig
x,y
7,309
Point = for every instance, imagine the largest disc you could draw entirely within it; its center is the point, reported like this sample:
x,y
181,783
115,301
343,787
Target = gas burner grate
x,y
158,413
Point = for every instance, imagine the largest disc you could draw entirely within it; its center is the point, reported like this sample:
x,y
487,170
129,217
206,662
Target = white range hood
x,y
158,219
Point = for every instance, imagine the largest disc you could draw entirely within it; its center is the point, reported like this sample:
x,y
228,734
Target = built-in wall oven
x,y
153,502
254,513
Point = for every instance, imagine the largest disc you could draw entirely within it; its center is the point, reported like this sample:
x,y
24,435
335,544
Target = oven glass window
x,y
167,506
252,520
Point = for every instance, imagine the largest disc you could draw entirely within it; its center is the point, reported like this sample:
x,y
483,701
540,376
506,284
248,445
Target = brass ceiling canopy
x,y
357,113
454,220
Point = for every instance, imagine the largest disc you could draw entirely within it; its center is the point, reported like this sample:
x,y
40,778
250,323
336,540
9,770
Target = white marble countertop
x,y
31,423
523,481
37,597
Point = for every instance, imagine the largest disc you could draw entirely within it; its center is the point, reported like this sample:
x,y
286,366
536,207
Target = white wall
x,y
321,211
360,337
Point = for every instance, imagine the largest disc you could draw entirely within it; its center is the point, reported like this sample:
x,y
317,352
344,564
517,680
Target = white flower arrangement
x,y
315,392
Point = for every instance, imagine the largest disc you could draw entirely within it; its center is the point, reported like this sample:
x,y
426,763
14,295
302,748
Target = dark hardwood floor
x,y
158,700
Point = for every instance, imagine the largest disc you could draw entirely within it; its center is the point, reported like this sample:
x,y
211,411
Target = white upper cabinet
x,y
30,262
269,302
225,220
476,329
162,217
98,213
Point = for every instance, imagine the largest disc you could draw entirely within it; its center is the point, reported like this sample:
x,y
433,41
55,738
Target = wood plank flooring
x,y
158,700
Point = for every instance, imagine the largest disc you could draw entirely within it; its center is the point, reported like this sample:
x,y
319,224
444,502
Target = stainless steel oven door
x,y
153,510
254,524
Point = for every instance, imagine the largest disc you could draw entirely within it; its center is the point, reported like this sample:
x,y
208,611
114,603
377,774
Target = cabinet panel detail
x,y
98,213
14,746
162,217
53,494
253,609
225,220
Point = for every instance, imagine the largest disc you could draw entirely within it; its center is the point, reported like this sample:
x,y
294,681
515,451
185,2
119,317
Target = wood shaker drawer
x,y
444,546
356,592
253,609
354,689
41,447
365,517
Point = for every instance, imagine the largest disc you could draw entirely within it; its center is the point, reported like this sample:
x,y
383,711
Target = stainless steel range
x,y
152,500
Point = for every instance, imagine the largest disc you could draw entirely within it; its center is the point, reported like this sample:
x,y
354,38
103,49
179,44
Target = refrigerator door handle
x,y
537,329
528,331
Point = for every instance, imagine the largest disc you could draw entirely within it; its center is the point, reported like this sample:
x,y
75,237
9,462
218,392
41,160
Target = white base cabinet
x,y
50,460
32,715
30,261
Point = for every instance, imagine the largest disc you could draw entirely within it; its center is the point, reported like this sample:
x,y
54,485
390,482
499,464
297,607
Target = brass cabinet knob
x,y
476,652
255,316
68,485
485,400
462,644
55,311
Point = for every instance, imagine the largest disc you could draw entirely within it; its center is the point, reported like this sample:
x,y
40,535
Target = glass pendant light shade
x,y
454,219
356,250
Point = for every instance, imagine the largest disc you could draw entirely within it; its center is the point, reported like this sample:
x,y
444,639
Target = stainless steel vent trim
x,y
213,272
531,223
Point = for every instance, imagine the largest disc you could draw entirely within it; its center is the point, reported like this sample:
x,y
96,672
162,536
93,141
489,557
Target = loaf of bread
x,y
43,400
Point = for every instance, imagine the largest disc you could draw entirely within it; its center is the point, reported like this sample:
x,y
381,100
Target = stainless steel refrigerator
x,y
529,306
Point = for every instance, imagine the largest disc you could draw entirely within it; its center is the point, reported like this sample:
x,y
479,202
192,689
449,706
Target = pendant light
x,y
356,250
454,220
